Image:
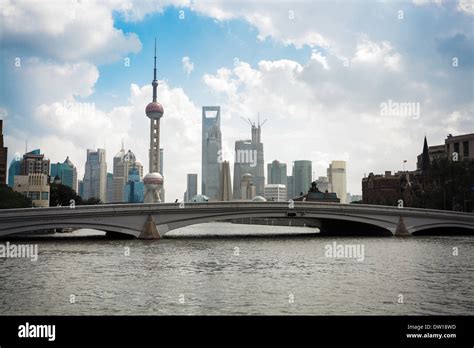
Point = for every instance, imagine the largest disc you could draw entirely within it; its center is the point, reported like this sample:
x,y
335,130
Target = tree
x,y
10,199
62,195
92,201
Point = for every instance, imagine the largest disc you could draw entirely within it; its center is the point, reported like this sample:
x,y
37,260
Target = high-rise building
x,y
225,188
290,192
123,161
337,179
275,192
154,180
249,159
248,189
95,175
33,179
134,191
33,163
110,187
80,188
14,169
301,177
211,150
191,187
276,172
66,172
3,157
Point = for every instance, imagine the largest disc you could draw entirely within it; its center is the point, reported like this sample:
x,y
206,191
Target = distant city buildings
x,y
191,187
337,179
248,190
66,172
33,179
381,189
14,169
3,157
225,188
323,184
211,151
33,163
315,195
134,190
249,159
276,173
110,188
123,161
95,176
275,192
35,186
302,173
290,187
462,144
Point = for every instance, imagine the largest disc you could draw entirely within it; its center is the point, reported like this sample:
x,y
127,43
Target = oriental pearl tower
x,y
154,180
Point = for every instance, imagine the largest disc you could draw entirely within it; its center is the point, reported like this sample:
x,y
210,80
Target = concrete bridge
x,y
151,221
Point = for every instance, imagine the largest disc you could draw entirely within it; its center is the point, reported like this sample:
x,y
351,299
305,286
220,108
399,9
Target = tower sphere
x,y
153,180
154,110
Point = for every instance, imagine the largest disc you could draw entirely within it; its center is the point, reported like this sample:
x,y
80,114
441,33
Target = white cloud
x,y
466,6
317,56
68,31
188,66
377,54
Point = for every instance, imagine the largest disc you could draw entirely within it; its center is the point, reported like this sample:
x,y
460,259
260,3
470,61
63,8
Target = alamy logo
x,y
355,251
37,331
407,109
28,251
240,156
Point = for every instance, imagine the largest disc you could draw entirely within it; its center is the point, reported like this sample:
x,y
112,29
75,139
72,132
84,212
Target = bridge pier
x,y
401,229
149,230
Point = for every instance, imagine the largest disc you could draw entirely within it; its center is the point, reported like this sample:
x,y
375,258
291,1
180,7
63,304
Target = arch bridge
x,y
152,221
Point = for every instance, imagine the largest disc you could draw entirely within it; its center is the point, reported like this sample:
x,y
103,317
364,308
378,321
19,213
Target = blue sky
x,y
318,71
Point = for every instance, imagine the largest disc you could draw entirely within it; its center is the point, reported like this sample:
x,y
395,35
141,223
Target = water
x,y
240,275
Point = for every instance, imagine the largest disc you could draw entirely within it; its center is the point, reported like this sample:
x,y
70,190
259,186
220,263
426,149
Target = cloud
x,y
377,54
188,66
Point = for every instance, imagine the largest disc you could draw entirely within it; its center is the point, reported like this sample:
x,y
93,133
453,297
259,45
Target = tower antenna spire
x,y
155,82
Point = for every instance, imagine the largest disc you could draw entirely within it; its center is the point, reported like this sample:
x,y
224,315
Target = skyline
x,y
334,111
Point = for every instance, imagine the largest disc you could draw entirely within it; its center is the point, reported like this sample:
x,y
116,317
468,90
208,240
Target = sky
x,y
77,74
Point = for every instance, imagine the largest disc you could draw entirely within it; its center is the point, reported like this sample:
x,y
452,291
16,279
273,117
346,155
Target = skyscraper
x,y
3,157
276,172
301,177
34,163
191,187
33,180
337,179
249,159
123,161
154,180
66,172
110,188
290,192
134,189
211,150
95,175
14,169
225,188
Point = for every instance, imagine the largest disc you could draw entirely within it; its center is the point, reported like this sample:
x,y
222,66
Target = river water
x,y
198,272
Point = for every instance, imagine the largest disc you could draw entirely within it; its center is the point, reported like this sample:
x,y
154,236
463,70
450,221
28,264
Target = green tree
x,y
11,199
92,201
62,195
